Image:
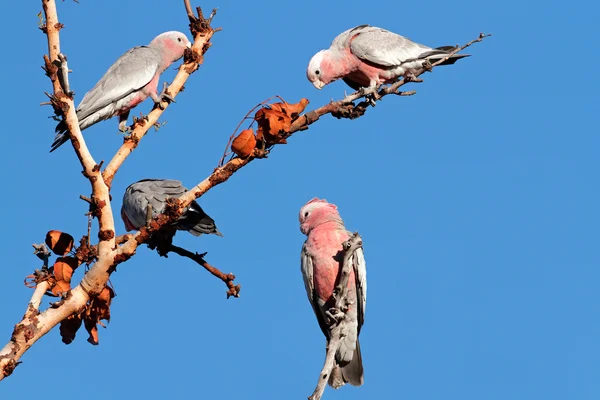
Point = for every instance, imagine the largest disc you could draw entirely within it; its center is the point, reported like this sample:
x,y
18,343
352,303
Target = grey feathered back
x,y
156,192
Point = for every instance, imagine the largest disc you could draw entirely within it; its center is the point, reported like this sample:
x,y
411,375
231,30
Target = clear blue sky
x,y
477,200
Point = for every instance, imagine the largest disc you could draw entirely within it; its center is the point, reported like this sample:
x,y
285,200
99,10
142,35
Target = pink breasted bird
x,y
320,263
367,56
156,192
128,82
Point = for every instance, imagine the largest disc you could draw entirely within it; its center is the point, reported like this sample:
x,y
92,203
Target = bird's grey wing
x,y
159,190
342,40
131,72
134,205
360,274
384,48
306,266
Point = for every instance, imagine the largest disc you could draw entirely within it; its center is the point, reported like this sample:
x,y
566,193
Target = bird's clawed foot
x,y
410,77
371,94
427,66
334,315
164,95
124,128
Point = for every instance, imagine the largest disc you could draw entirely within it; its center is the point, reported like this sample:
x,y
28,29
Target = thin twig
x,y
226,152
188,9
233,290
339,312
43,253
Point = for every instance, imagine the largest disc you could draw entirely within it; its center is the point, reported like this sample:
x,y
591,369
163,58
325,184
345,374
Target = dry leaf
x,y
59,242
98,309
64,267
294,110
277,119
92,329
244,143
271,123
60,287
69,327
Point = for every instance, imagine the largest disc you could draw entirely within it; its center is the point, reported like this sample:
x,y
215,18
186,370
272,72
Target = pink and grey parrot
x,y
367,56
320,263
128,82
156,192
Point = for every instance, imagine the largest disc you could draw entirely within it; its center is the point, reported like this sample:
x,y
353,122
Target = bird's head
x,y
316,212
172,43
317,71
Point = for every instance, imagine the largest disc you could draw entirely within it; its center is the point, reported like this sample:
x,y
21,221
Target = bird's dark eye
x,y
306,214
179,39
317,72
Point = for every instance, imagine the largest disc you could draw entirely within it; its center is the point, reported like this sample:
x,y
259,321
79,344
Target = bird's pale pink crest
x,y
315,212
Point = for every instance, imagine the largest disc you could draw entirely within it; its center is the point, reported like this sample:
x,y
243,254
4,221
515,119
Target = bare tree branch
x,y
33,327
43,252
111,251
341,305
344,108
233,290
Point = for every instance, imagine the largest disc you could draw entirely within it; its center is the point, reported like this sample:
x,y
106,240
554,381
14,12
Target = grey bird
x,y
156,192
129,81
368,56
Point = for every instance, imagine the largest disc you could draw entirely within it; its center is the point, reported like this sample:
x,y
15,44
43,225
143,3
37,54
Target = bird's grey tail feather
x,y
336,380
351,373
61,136
441,52
197,222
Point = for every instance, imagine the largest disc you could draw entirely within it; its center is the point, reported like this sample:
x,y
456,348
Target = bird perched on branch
x,y
367,56
128,82
155,192
321,260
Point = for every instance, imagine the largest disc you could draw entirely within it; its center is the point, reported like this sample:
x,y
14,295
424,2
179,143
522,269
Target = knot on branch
x,y
9,367
106,234
50,68
85,253
38,276
199,25
350,110
59,105
193,57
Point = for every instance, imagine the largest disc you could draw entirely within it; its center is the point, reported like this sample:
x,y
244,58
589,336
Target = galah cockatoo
x,y
128,82
156,192
320,263
367,56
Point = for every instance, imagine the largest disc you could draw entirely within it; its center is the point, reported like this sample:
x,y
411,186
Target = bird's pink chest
x,y
140,95
367,74
326,247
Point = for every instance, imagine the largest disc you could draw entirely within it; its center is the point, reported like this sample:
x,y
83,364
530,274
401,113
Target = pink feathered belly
x,y
137,97
326,266
366,74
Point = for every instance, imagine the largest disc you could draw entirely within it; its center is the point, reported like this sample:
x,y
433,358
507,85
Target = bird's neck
x,y
332,222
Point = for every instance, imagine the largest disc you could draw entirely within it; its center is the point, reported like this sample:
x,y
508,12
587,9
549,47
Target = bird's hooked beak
x,y
318,84
189,45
